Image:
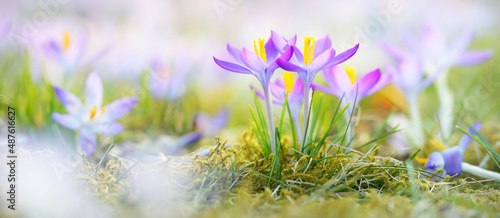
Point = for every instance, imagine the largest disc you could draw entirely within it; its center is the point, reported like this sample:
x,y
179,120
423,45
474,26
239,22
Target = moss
x,y
236,181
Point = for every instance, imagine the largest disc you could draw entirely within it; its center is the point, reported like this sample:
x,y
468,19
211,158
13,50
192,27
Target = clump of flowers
x,y
281,53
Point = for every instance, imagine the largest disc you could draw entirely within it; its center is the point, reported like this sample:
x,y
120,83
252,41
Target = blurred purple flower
x,y
409,77
342,82
92,118
295,90
208,125
451,159
432,48
163,84
71,52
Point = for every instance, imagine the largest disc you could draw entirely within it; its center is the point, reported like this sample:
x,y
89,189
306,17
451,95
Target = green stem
x,y
415,131
446,105
270,117
307,105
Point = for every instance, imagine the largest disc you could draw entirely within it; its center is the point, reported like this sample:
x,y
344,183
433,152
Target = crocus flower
x,y
451,159
204,126
165,85
295,90
92,118
437,56
342,82
71,52
262,65
409,77
316,57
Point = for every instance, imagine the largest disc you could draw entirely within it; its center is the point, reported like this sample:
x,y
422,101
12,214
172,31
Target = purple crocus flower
x,y
342,82
262,65
435,51
295,90
409,77
451,159
71,52
316,57
165,85
437,56
92,118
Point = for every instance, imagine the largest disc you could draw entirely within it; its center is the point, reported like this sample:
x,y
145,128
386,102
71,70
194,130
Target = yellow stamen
x,y
93,112
103,110
420,160
288,79
351,72
309,43
438,145
66,41
261,50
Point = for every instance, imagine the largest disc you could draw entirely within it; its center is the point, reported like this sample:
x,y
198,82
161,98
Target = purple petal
x,y
465,141
72,104
433,41
473,57
271,51
158,84
279,42
461,44
52,50
452,160
434,162
93,88
232,67
234,52
253,61
220,120
119,108
258,93
211,126
344,56
382,82
183,141
297,90
292,41
278,91
109,129
88,141
67,120
396,53
322,45
321,61
366,83
341,80
284,63
326,90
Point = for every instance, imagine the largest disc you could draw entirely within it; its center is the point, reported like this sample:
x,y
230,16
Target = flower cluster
x,y
424,60
317,55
